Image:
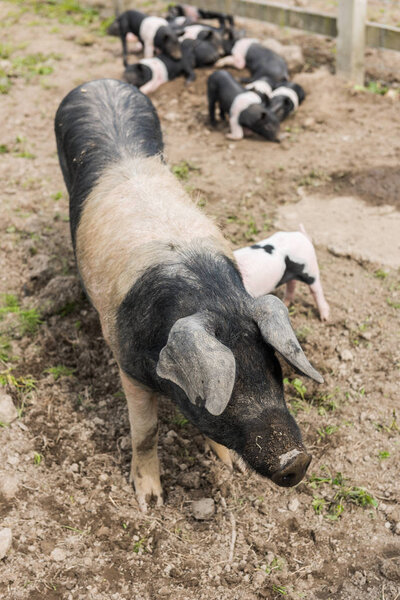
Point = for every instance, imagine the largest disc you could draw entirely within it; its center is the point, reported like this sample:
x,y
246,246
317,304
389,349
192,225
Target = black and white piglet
x,y
284,257
153,32
171,301
249,53
194,14
149,73
245,108
284,98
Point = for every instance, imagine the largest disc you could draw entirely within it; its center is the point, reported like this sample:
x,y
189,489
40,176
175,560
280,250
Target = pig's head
x,y
167,41
137,74
261,120
228,382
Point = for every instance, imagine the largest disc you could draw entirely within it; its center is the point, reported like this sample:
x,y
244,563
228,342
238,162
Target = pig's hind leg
x,y
145,466
289,292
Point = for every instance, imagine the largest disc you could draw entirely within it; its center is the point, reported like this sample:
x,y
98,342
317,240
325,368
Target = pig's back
x,y
96,125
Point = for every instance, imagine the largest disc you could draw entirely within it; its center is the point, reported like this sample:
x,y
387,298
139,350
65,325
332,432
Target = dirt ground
x,y
64,492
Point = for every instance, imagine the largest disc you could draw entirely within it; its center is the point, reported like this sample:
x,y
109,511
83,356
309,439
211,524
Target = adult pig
x,y
171,301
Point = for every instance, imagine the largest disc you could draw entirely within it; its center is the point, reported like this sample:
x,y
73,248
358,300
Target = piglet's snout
x,y
293,470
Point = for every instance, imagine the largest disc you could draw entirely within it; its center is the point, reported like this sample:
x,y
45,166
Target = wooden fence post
x,y
351,22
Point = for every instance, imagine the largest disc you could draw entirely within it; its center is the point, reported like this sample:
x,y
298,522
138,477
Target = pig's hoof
x,y
231,136
324,313
144,497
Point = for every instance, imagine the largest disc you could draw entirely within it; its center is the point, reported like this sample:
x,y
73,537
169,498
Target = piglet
x,y
245,108
285,257
249,53
149,73
153,32
171,301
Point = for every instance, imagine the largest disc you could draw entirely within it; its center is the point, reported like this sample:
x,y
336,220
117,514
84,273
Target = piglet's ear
x,y
272,317
196,361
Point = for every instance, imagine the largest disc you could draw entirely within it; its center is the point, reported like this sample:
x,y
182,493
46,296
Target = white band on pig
x,y
240,103
285,91
241,47
180,20
260,86
192,32
148,29
158,69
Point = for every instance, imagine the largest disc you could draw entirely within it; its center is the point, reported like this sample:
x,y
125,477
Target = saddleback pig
x,y
194,14
153,32
171,301
284,98
249,53
285,257
245,108
149,73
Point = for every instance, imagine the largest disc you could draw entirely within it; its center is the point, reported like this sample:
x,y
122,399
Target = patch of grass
x,y
32,64
5,82
105,24
29,319
251,230
276,564
64,11
4,149
324,432
60,371
57,196
182,169
280,589
297,385
392,303
383,454
179,419
391,428
139,546
37,458
381,274
333,507
302,333
375,87
314,178
5,50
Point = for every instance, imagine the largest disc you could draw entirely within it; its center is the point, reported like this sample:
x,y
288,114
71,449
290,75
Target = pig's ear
x,y
196,361
272,317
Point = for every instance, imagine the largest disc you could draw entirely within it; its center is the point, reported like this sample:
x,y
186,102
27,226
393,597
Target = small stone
x,y
87,39
74,468
346,355
397,528
258,578
171,117
257,180
203,509
58,555
392,94
309,122
5,541
8,485
8,412
13,460
294,504
388,525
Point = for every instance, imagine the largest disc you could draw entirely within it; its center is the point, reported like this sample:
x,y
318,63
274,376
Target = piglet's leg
x,y
227,61
221,451
236,129
318,294
145,467
148,50
150,86
289,292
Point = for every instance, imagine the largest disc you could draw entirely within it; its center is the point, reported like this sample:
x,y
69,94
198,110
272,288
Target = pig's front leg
x,y
145,466
148,50
236,132
227,61
221,451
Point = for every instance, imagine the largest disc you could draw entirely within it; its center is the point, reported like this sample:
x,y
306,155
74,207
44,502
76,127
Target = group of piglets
x,y
179,43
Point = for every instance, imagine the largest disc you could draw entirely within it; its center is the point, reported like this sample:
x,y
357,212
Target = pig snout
x,y
293,469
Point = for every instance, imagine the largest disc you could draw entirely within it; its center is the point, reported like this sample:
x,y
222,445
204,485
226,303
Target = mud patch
x,y
379,185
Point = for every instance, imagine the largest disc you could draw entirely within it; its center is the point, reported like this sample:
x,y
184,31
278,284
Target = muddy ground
x,y
64,492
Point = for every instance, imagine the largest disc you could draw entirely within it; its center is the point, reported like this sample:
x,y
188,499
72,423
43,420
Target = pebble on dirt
x,y
203,509
8,485
58,555
8,412
5,541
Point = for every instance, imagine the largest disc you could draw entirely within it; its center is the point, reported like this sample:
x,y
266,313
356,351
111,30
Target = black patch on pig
x,y
295,271
97,124
267,248
148,442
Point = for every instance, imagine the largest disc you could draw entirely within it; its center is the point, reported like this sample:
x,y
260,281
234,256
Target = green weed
x,y
297,385
251,230
60,371
37,458
29,319
381,274
179,419
280,589
343,494
375,87
182,170
392,303
391,428
383,454
139,545
323,432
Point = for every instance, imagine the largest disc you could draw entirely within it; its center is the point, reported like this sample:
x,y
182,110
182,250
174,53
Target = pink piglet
x,y
285,257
